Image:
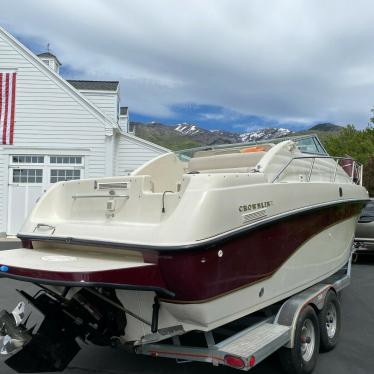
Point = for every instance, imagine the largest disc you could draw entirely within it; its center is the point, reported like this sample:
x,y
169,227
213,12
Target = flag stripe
x,y
7,136
12,109
6,107
1,95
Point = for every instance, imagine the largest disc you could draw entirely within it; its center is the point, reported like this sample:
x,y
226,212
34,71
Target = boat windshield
x,y
309,144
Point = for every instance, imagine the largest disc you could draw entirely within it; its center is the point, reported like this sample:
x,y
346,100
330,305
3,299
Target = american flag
x,y
7,106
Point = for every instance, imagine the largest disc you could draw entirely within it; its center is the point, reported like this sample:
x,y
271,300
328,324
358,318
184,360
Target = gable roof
x,y
108,123
94,85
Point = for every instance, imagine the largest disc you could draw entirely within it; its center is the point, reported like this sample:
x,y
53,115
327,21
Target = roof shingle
x,y
94,85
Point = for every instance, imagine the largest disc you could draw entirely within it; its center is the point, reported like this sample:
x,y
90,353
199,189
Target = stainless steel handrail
x,y
100,196
311,170
356,168
335,170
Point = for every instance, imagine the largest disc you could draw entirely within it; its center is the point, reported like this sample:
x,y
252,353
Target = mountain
x,y
189,135
265,134
186,135
204,136
326,127
211,137
163,135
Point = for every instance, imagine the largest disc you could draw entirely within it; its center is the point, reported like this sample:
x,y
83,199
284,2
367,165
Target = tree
x,y
357,144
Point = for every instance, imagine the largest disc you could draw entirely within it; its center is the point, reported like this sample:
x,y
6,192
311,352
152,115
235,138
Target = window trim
x,y
12,162
11,176
65,170
46,166
81,163
46,160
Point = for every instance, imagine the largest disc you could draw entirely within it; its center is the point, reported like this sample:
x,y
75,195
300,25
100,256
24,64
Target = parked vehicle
x,y
191,242
364,236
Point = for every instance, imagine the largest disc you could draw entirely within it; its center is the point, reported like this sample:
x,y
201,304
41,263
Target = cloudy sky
x,y
234,64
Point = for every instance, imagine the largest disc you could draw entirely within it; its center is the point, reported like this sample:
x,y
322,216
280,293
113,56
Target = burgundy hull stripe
x,y
198,275
145,276
194,276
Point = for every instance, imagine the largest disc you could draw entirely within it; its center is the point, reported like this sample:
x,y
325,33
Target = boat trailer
x,y
52,346
246,348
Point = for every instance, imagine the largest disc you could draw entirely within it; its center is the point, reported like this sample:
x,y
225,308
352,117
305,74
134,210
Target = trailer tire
x,y
330,322
302,358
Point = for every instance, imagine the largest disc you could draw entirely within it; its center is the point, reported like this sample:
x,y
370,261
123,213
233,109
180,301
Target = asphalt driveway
x,y
354,354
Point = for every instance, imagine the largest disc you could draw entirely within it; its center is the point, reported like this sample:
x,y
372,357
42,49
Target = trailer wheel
x,y
330,322
302,358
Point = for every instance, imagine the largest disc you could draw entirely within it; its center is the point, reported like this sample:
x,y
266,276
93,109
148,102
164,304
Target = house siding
x,y
107,102
130,154
51,116
3,192
48,115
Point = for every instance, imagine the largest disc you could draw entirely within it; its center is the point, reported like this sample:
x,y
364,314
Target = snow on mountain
x,y
264,134
221,137
187,129
186,135
261,134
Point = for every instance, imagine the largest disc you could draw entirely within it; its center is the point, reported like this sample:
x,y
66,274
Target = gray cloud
x,y
290,60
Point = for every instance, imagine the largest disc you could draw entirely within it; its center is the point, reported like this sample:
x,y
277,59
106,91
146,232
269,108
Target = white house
x,y
53,130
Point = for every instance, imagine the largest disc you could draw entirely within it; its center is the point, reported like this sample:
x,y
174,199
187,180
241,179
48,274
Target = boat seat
x,y
225,161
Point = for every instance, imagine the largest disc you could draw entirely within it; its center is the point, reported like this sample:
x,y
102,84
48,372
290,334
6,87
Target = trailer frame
x,y
248,347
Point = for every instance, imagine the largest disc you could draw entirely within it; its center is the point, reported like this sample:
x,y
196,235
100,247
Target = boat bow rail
x,y
310,168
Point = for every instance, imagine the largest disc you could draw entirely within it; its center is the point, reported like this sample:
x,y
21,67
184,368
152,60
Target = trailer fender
x,y
289,312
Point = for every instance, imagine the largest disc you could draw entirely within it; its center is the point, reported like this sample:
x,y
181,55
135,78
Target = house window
x,y
72,160
60,175
27,175
27,159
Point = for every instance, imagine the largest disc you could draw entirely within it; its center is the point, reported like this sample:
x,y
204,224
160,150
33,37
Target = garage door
x,y
30,176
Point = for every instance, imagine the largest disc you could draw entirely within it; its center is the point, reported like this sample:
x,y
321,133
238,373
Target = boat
x,y
189,241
